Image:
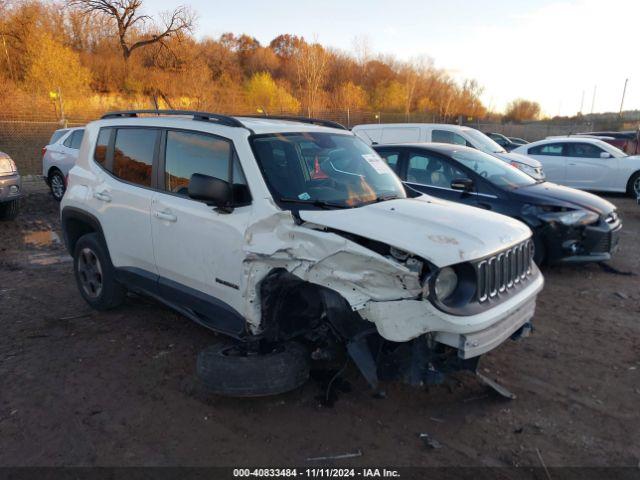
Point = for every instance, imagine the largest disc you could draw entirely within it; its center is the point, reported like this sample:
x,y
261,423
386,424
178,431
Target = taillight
x,y
44,150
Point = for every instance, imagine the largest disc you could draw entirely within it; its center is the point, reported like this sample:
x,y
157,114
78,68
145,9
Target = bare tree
x,y
134,29
311,63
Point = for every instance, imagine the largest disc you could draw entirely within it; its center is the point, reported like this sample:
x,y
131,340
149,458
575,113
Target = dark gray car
x,y
10,188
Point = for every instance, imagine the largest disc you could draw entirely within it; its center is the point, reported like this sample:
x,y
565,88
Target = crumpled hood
x,y
518,157
554,194
442,232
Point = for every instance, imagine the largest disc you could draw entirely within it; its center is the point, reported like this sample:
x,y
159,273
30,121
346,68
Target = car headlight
x,y
446,283
571,217
7,166
532,172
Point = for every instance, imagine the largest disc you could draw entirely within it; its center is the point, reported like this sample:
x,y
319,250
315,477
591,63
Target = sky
x,y
554,52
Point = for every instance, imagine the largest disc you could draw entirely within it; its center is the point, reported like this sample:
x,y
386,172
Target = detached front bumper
x,y
10,187
591,243
472,335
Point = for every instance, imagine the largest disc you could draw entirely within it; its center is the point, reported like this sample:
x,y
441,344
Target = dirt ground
x,y
78,387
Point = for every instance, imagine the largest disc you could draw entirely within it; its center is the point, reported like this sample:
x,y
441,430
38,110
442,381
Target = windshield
x,y
324,169
496,171
482,142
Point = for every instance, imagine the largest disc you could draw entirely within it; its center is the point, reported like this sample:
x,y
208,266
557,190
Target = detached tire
x,y
225,371
9,210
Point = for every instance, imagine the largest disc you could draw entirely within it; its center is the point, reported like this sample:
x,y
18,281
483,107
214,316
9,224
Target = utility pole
x,y
582,102
624,91
593,100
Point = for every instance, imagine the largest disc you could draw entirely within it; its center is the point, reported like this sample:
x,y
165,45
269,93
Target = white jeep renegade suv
x,y
293,238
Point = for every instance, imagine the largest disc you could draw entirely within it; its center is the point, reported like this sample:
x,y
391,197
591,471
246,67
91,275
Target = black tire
x,y
57,184
9,210
100,288
225,372
633,187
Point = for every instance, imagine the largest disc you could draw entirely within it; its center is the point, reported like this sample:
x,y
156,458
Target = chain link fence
x,y
23,136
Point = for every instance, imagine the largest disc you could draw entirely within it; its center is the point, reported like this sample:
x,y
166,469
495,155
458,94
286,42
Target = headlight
x,y
532,172
571,217
7,166
446,283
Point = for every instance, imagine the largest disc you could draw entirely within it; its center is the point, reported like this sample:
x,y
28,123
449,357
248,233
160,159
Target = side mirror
x,y
463,184
605,155
211,190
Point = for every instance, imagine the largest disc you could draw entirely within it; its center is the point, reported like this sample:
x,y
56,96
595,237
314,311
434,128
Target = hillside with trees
x,y
88,56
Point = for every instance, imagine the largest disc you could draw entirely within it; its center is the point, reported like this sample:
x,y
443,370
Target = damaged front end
x,y
338,292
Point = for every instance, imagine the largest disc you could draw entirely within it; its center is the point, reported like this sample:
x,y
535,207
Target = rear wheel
x,y
57,184
232,371
9,210
633,187
95,274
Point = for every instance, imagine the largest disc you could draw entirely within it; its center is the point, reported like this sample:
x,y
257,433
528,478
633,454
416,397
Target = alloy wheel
x,y
636,187
90,273
57,186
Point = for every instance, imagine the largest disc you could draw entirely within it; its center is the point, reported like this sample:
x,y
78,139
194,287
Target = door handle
x,y
573,164
102,196
166,215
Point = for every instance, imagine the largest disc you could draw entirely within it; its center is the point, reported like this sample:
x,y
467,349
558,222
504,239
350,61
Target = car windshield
x,y
324,170
496,171
482,142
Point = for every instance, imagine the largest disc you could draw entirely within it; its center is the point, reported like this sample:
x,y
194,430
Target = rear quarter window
x,y
102,145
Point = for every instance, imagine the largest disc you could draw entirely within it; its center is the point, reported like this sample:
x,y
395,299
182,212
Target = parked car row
x,y
300,241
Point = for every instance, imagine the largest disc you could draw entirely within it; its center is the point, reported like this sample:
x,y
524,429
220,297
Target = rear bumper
x,y
10,188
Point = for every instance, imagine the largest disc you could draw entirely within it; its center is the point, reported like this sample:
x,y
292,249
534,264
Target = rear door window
x,y
550,149
133,155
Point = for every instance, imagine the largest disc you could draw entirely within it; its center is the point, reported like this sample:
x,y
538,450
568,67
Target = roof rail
x,y
293,118
201,116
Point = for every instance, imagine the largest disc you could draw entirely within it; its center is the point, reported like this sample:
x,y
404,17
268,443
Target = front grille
x,y
604,244
502,272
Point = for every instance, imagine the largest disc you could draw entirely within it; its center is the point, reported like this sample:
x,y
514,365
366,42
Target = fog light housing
x,y
13,189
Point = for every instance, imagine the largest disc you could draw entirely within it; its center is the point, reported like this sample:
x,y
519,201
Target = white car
x,y
59,157
383,134
586,163
295,240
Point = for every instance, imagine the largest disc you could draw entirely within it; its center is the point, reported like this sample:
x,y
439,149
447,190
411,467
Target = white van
x,y
381,134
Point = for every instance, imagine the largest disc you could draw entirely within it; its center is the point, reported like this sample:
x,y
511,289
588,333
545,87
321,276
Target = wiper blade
x,y
315,203
384,198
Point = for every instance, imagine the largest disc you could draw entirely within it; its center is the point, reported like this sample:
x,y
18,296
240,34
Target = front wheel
x,y
633,187
95,274
57,185
9,210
